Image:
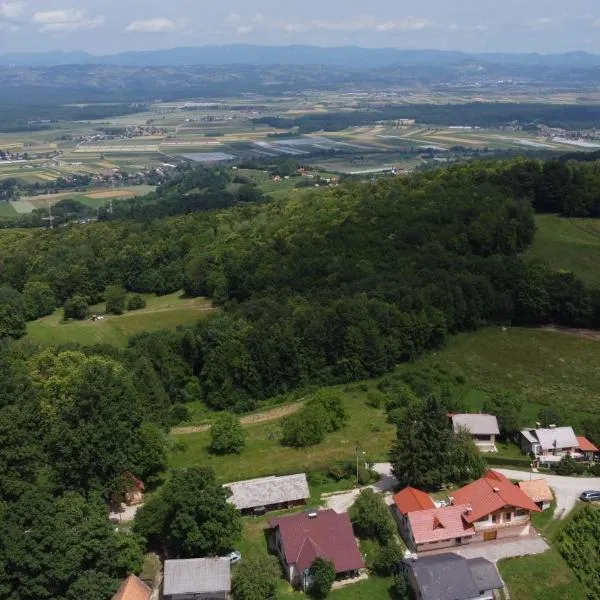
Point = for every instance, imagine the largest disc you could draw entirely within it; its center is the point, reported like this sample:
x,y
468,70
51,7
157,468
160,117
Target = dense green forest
x,y
335,287
314,290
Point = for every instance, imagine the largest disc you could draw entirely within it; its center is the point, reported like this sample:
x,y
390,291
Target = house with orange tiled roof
x,y
406,501
133,588
496,507
590,451
437,528
487,509
539,491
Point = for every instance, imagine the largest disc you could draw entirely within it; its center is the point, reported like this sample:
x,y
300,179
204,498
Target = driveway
x,y
126,515
497,550
566,489
342,501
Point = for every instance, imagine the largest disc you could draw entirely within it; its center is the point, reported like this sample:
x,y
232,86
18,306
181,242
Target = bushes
x,y
115,299
76,308
501,461
322,576
579,543
372,518
321,415
136,302
226,435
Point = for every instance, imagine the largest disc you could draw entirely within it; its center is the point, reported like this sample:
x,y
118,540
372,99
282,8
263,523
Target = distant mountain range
x,y
346,56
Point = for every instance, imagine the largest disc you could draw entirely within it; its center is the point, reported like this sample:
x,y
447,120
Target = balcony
x,y
487,526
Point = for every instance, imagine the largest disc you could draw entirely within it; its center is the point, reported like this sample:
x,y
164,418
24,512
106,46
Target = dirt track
x,y
272,414
588,334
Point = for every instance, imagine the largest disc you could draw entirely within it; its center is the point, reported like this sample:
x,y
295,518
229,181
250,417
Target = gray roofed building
x,y
557,437
485,574
477,424
269,493
483,429
197,578
452,577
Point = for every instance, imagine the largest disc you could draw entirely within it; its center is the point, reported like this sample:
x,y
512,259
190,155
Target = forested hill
x,y
335,287
331,288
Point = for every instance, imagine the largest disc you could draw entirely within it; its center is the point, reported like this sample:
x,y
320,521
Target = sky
x,y
110,26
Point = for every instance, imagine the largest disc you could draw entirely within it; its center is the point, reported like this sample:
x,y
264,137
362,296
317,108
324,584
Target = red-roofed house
x,y
407,501
496,508
437,528
301,538
133,589
590,452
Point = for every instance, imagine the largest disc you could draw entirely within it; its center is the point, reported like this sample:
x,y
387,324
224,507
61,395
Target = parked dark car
x,y
590,496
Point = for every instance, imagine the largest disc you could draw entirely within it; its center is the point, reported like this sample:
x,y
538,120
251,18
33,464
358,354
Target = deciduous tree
x,y
256,578
226,435
190,516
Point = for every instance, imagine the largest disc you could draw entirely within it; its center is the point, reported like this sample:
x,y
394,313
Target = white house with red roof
x,y
301,538
489,508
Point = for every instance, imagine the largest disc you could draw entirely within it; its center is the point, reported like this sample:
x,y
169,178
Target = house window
x,y
496,518
521,512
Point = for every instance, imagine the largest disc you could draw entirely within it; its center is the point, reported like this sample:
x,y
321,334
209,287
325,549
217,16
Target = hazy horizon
x,y
476,26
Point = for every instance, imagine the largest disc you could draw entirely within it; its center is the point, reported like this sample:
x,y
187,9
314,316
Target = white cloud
x,y
11,10
243,29
541,22
156,25
233,19
71,19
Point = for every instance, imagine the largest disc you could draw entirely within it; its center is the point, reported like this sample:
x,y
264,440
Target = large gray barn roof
x,y
268,490
197,576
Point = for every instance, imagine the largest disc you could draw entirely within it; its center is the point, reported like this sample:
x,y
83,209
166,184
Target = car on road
x,y
590,496
234,557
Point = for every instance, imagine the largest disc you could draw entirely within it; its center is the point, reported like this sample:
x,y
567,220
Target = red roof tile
x,y
585,445
410,499
133,588
491,493
438,524
328,535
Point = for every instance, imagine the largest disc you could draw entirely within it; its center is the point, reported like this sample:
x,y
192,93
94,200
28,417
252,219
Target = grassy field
x,y
569,245
543,576
165,312
545,367
367,426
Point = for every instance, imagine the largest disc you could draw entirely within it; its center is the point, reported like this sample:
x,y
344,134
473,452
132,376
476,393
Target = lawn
x,y
541,577
546,368
7,210
366,426
165,312
569,245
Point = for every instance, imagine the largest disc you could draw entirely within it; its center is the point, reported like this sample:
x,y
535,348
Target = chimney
x,y
538,425
497,490
553,426
312,514
469,510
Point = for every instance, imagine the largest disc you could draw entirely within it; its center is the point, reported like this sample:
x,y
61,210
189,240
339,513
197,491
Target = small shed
x,y
197,579
539,491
